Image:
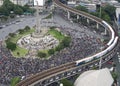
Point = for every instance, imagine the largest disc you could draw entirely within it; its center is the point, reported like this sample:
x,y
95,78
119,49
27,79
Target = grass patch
x,y
19,52
66,82
48,17
14,81
64,42
18,36
58,35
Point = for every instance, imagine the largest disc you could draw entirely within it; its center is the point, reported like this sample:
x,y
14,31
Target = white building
x,y
40,2
118,16
1,2
95,78
19,2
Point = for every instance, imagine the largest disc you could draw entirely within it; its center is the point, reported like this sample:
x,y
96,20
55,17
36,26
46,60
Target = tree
x,y
110,10
51,51
18,10
9,5
105,16
115,76
66,41
27,28
11,45
4,11
21,31
66,82
41,54
59,47
81,8
14,81
11,34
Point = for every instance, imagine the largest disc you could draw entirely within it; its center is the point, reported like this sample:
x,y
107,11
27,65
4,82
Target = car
x,y
51,79
13,22
110,62
1,27
111,69
119,56
22,77
119,60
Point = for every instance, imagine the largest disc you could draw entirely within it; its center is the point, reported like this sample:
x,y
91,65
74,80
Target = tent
x,y
95,78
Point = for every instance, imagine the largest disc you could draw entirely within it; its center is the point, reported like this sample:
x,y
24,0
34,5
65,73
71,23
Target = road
x,y
14,27
31,21
117,62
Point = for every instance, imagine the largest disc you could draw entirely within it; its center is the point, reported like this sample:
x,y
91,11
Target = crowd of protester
x,y
82,45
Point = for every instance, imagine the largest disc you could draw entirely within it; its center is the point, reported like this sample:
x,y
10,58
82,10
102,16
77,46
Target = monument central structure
x,y
38,40
38,30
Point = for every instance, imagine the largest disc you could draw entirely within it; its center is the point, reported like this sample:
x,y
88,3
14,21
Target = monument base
x,y
42,33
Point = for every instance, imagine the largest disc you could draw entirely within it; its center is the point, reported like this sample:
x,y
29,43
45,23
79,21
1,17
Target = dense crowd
x,y
82,45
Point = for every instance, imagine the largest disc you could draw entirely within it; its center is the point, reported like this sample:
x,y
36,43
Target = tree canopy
x,y
9,7
107,12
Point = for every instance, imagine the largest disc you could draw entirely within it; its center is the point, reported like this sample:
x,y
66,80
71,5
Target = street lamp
x,y
100,9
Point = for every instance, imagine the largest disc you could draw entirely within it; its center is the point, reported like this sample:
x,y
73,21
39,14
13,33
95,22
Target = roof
x,y
95,78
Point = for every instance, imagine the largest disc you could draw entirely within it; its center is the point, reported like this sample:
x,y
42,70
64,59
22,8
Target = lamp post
x,y
100,9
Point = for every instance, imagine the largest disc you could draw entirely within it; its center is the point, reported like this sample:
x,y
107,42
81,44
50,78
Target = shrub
x,y
51,51
41,54
11,45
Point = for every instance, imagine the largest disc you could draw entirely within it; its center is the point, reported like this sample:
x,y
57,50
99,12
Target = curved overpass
x,y
39,77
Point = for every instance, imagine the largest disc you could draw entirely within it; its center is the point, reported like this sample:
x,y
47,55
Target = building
x,y
40,2
1,2
19,2
95,78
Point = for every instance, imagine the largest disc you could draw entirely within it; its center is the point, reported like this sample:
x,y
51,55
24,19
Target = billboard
x,y
40,2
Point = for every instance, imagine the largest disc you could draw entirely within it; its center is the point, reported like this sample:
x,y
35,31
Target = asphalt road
x,y
14,27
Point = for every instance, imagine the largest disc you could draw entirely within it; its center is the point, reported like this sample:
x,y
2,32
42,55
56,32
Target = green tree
x,y
66,41
4,11
105,16
81,8
11,34
9,5
18,10
27,28
11,46
41,54
66,82
51,51
110,10
115,76
21,31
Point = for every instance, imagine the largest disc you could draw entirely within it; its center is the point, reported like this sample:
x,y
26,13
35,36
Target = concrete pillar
x,y
97,25
68,14
100,63
105,32
88,21
77,17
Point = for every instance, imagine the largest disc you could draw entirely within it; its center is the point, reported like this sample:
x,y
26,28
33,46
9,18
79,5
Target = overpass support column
x,y
105,32
97,25
68,14
77,17
88,21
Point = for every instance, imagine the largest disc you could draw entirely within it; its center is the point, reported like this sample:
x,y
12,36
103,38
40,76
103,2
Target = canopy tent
x,y
95,78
